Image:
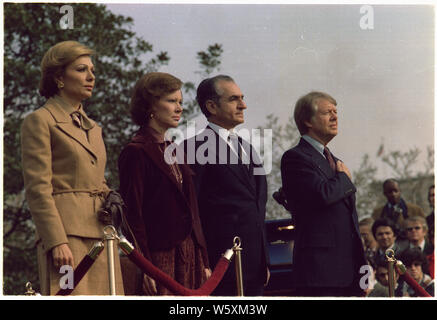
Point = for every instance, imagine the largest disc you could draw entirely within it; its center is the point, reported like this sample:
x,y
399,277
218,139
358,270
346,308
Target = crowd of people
x,y
404,228
183,214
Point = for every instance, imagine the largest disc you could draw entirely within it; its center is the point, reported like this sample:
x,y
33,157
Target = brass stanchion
x,y
238,270
110,235
390,255
30,291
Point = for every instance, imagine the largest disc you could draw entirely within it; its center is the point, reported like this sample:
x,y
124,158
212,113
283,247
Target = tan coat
x,y
64,180
413,210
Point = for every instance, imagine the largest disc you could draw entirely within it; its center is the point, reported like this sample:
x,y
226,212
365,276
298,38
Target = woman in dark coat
x,y
161,202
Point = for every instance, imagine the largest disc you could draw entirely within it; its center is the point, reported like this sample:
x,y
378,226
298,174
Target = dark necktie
x,y
330,159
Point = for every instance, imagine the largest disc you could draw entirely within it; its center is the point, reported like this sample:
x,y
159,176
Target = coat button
x,y
93,162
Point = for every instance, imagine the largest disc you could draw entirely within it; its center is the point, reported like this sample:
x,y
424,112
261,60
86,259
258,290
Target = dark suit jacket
x,y
160,212
232,202
328,251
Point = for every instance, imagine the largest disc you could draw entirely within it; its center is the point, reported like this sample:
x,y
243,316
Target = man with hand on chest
x,y
328,252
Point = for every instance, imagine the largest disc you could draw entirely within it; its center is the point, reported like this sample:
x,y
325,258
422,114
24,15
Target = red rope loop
x,y
155,273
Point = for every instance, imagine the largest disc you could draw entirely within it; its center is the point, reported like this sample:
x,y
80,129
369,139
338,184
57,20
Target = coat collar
x,y
153,147
59,110
318,159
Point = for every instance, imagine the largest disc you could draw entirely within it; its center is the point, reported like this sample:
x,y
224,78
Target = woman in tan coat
x,y
63,159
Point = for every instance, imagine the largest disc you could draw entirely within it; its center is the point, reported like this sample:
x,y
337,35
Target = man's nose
x,y
242,104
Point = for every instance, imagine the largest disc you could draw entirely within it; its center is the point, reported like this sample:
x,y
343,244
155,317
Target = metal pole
x,y
238,269
110,236
391,272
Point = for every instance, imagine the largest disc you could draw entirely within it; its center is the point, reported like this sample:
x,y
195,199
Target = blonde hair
x,y
54,62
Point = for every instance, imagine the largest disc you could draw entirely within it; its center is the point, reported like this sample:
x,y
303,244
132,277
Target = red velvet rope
x,y
148,268
412,283
79,272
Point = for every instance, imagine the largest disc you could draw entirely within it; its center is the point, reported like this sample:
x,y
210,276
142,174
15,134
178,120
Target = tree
x,y
283,138
122,58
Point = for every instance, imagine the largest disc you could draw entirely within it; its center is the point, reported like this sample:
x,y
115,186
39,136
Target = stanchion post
x,y
110,236
390,255
238,269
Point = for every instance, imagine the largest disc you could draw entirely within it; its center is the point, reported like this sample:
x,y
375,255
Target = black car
x,y
280,235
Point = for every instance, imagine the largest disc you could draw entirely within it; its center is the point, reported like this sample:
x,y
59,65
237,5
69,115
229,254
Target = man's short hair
x,y
419,219
411,255
384,223
366,222
207,90
306,108
391,180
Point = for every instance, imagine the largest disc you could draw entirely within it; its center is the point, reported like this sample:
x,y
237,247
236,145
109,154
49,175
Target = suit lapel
x,y
239,170
324,167
64,123
319,160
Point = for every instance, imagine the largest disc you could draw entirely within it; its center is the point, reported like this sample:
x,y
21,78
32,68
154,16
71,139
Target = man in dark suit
x,y
328,252
231,192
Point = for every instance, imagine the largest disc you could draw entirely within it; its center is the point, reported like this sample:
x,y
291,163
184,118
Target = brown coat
x,y
63,177
160,212
413,210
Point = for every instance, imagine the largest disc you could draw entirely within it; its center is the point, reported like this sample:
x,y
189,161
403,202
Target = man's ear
x,y
308,124
211,106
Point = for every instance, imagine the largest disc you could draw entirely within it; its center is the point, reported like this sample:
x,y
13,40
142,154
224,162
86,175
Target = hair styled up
x,y
306,108
54,62
147,91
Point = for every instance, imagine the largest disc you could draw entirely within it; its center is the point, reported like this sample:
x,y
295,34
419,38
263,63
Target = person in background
x,y
161,206
369,242
385,233
430,219
396,209
381,287
430,257
416,229
415,261
63,159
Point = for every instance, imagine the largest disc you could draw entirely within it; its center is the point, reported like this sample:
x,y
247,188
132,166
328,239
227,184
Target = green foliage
x,y
122,58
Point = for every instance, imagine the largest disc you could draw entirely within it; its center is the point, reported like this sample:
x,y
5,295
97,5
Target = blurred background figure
x,y
430,219
396,209
369,242
416,230
381,286
385,233
416,263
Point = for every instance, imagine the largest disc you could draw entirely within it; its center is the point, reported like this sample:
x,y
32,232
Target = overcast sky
x,y
382,78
